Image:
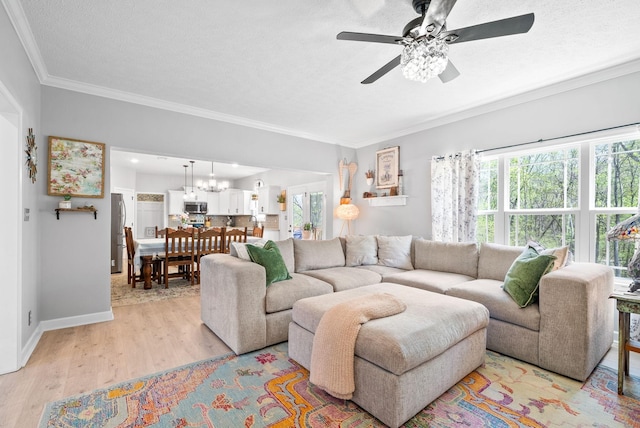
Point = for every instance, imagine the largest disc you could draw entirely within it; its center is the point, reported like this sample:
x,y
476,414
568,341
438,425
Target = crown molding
x,y
23,30
501,102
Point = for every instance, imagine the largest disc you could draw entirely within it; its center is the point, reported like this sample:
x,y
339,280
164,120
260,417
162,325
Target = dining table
x,y
146,248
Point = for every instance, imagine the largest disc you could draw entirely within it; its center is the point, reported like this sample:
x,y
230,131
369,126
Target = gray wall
x,y
608,103
17,75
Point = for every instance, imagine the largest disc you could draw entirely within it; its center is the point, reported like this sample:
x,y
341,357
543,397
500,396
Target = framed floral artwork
x,y
76,168
387,167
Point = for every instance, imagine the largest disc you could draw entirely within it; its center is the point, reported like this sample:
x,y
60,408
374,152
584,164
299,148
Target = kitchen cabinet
x,y
176,202
213,203
267,202
235,202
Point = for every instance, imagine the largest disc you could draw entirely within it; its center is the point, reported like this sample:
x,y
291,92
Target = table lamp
x,y
629,230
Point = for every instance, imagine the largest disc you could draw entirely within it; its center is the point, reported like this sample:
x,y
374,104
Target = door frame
x,y
317,186
11,302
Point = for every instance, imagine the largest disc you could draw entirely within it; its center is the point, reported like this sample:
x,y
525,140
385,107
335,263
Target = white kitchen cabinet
x,y
235,202
267,202
223,205
176,202
213,203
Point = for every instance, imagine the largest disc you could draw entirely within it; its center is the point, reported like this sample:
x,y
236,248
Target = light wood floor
x,y
143,339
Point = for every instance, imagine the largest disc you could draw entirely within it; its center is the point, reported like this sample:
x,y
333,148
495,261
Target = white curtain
x,y
454,196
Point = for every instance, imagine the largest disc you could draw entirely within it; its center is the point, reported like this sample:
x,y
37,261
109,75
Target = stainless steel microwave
x,y
195,207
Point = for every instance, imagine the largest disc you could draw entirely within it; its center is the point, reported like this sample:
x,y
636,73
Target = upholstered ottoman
x,y
405,361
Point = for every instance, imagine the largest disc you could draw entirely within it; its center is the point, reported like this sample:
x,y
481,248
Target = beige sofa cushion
x,y
430,280
454,257
495,260
361,250
345,278
310,255
395,251
501,306
282,295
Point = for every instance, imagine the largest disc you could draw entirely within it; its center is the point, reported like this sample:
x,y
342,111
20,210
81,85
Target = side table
x,y
626,304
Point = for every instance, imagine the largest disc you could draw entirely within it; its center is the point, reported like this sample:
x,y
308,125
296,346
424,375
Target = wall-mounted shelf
x,y
77,210
387,201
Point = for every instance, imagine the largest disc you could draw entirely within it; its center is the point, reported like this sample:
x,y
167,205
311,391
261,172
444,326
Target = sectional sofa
x,y
567,330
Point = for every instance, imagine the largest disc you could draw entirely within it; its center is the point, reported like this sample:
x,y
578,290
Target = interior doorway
x,y
10,259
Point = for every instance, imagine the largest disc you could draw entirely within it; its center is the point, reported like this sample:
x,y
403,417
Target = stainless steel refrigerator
x,y
118,220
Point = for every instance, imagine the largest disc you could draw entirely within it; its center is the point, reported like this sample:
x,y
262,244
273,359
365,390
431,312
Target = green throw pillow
x,y
524,275
270,258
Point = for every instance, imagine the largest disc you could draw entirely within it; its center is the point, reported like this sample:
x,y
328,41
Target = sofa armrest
x,y
232,301
576,318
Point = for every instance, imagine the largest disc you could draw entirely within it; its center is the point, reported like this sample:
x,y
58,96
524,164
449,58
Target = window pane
x,y
488,194
617,174
485,228
550,230
616,254
544,180
317,206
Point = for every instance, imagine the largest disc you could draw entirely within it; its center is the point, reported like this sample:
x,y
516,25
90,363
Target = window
x,y
487,200
542,195
615,198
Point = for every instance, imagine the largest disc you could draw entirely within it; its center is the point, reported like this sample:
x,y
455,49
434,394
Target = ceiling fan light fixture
x,y
424,59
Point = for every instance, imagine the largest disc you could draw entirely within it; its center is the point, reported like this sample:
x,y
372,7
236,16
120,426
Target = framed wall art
x,y
387,167
76,168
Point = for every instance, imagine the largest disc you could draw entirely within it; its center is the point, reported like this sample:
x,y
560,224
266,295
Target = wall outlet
x,y
29,321
113,263
26,214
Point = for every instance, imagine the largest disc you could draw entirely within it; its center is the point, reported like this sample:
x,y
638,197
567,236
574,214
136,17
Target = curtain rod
x,y
542,140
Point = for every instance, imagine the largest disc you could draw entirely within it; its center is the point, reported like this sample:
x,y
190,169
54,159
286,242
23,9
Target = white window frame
x,y
585,213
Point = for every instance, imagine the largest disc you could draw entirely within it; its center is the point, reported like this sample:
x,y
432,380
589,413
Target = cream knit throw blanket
x,y
332,356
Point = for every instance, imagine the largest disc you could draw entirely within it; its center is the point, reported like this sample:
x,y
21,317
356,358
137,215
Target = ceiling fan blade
x,y
436,15
449,73
382,71
503,27
366,37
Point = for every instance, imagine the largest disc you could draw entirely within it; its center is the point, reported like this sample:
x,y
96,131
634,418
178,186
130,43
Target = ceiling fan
x,y
426,41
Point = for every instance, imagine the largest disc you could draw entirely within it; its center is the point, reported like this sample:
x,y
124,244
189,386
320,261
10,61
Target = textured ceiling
x,y
277,64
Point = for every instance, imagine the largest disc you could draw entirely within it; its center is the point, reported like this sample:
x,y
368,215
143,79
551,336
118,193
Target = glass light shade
x,y
347,212
212,183
628,229
423,59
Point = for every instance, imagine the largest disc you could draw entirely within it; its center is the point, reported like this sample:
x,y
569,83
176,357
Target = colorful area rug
x,y
122,294
267,389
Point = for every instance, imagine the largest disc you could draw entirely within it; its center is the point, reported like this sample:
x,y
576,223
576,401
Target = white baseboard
x,y
59,323
76,321
30,346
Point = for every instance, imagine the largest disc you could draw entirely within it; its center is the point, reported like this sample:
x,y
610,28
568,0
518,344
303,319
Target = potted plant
x,y
369,174
66,204
307,231
282,200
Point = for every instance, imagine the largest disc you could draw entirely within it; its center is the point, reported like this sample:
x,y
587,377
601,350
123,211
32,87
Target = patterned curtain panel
x,y
454,196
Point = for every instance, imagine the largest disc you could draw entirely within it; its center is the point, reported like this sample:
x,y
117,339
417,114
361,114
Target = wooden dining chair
x,y
234,235
131,252
179,250
257,232
210,241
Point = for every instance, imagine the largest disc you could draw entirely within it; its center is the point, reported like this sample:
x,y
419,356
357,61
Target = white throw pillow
x,y
239,249
395,251
361,250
